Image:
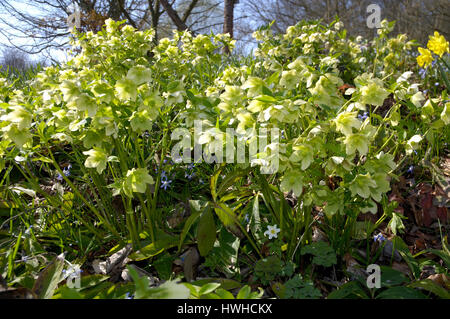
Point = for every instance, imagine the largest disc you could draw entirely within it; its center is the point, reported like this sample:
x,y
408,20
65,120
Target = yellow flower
x,y
438,44
425,58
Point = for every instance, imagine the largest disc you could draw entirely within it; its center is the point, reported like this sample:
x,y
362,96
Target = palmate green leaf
x,y
323,254
206,232
223,257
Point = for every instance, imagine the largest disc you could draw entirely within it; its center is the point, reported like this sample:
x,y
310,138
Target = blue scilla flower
x,y
379,238
59,177
363,116
165,184
189,175
410,169
66,171
422,73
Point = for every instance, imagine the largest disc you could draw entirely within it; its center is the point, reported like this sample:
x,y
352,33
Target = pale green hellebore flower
x,y
136,181
97,159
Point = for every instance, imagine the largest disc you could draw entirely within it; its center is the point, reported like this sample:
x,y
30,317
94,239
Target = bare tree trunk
x,y
228,20
181,26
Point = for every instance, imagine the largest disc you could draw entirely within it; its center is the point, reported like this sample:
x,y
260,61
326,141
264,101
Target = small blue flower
x,y
436,84
129,296
66,171
189,175
165,184
422,73
411,169
364,116
59,177
379,238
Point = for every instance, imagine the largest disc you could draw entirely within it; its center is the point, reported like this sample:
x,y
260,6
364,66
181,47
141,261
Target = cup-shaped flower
x,y
139,74
136,181
290,79
20,116
292,181
126,89
374,93
304,154
97,159
141,121
355,142
84,102
345,121
413,144
361,185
